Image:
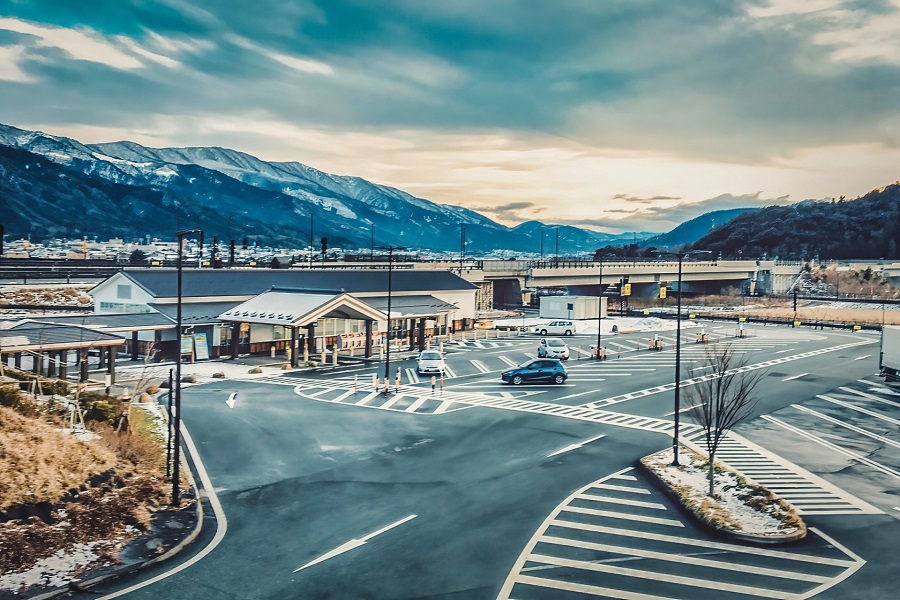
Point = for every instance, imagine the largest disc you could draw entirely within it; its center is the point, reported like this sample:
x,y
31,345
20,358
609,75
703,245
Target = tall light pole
x,y
599,308
677,366
310,237
557,248
462,245
176,461
387,354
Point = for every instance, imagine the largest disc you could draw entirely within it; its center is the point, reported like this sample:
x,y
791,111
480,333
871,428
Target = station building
x,y
252,311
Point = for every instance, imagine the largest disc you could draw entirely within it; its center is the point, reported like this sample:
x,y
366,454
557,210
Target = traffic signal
x,y
662,291
324,245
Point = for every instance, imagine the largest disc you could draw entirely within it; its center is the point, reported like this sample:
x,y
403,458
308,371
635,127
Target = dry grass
x,y
38,463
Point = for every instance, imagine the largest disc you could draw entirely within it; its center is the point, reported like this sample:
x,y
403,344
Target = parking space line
x,y
865,411
581,588
869,396
621,488
840,423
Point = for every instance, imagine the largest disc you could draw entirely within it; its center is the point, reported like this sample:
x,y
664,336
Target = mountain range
x,y
54,186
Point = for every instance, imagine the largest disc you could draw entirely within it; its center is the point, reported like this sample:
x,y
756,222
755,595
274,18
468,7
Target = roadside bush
x,y
100,407
11,397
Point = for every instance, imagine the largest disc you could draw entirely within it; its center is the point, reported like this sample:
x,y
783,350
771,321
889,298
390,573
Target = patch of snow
x,y
54,571
167,171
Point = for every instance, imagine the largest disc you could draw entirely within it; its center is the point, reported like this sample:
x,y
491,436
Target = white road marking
x,y
628,516
684,410
508,361
871,413
795,377
869,396
221,522
835,447
354,543
480,366
449,372
231,399
785,350
840,423
412,376
576,445
862,357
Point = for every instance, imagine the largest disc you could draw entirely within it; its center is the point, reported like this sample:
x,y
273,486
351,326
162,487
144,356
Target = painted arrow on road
x,y
576,446
354,543
231,400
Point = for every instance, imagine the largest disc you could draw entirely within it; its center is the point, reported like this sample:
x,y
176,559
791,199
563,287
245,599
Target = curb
x,y
122,570
661,484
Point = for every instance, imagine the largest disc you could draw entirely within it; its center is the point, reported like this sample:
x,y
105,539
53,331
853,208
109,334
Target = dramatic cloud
x,y
584,112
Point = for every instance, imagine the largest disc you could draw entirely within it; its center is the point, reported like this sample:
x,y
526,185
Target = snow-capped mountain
x,y
236,195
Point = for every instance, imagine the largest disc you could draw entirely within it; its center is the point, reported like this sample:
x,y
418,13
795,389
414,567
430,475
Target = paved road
x,y
480,490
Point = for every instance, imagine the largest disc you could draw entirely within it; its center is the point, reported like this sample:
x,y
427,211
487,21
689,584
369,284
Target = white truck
x,y
890,352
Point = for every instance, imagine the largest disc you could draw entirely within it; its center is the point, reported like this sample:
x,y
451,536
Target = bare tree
x,y
723,399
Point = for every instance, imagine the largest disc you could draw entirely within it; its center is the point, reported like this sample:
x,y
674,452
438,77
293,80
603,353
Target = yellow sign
x,y
662,291
626,289
646,312
742,319
796,323
857,327
692,316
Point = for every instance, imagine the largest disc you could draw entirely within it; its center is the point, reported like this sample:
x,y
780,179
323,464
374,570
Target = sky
x,y
615,115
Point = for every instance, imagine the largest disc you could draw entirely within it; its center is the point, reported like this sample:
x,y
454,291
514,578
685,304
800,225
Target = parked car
x,y
538,369
555,328
553,348
430,361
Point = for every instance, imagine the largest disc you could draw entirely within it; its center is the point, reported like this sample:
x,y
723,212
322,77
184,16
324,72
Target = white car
x,y
553,348
430,361
555,328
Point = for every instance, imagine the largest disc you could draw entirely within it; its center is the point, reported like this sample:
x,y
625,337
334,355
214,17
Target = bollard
x,y
334,357
397,381
273,351
305,355
381,352
619,354
375,381
324,358
441,346
433,380
442,384
387,389
355,383
352,350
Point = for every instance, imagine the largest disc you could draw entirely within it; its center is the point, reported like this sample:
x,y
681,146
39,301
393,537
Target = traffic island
x,y
740,509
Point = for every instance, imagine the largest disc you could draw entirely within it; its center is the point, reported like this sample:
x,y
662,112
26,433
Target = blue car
x,y
540,369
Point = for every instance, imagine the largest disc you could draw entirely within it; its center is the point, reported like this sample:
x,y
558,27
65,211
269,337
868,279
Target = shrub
x,y
11,397
255,370
100,407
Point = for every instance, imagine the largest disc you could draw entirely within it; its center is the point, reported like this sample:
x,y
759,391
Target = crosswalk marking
x,y
588,555
480,366
626,515
508,361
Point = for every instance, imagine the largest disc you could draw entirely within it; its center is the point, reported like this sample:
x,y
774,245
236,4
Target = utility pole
x,y
310,237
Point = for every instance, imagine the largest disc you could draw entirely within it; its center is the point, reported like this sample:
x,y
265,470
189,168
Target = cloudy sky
x,y
619,115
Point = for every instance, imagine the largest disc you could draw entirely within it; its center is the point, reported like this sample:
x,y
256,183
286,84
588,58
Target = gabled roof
x,y
163,283
35,336
112,321
194,313
300,308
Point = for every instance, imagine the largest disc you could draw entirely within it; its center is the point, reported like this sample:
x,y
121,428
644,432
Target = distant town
x,y
155,252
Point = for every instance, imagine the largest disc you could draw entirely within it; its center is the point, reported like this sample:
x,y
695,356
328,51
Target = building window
x,y
123,292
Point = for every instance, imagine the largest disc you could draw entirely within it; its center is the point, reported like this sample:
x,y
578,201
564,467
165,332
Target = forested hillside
x,y
865,228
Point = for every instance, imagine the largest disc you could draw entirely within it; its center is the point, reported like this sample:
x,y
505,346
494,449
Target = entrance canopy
x,y
300,308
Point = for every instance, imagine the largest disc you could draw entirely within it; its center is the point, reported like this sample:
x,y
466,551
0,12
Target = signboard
x,y
200,345
626,289
662,291
742,319
187,344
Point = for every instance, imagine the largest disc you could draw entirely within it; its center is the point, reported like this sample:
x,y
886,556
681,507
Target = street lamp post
x,y
599,308
387,354
176,460
677,367
556,266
